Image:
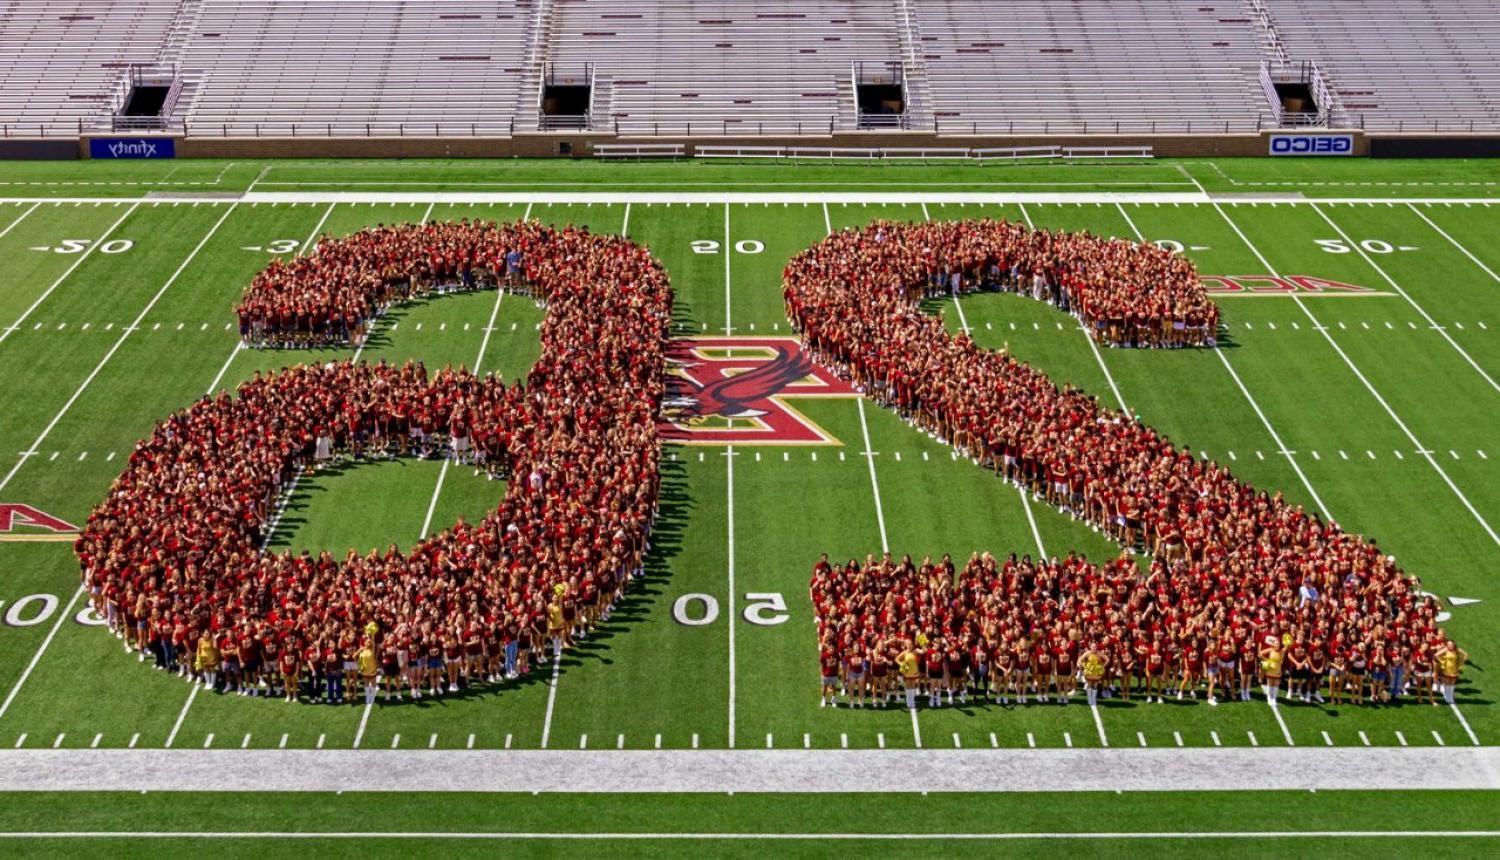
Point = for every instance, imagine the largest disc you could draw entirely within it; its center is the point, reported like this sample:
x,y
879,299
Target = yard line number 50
x,y
762,608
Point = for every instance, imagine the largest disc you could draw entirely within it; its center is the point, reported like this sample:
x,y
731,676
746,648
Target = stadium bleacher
x,y
425,68
61,60
1091,65
743,66
1415,66
329,67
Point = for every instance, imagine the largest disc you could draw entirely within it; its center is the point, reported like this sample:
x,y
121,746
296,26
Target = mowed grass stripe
x,y
602,717
29,272
1399,502
127,697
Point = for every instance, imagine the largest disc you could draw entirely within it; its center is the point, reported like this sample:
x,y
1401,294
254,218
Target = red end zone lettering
x,y
15,515
733,391
1277,285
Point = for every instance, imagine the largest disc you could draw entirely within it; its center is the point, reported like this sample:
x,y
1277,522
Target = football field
x,y
1357,373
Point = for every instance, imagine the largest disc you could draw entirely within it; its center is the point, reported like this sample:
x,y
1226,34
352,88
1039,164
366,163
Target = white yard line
x,y
551,700
364,720
42,437
981,769
1322,329
1098,356
625,224
1249,398
869,455
87,252
436,491
46,643
1441,330
182,716
1444,233
729,455
728,324
22,217
1397,419
1465,723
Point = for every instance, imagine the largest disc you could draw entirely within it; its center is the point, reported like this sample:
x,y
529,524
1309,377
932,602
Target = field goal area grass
x,y
1356,375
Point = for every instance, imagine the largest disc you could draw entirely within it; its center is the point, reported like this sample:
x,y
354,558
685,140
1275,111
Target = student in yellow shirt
x,y
908,664
207,662
1450,662
1093,664
368,666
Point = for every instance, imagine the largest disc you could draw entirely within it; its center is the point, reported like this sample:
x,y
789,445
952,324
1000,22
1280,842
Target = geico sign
x,y
1312,144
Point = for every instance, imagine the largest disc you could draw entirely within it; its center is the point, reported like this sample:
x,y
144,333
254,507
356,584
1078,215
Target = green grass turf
x,y
922,817
1325,177
644,680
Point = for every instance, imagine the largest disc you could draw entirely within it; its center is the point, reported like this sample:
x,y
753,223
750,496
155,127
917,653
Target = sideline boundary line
x,y
972,769
639,197
748,836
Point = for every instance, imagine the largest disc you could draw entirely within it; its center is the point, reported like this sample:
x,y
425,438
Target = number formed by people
x,y
173,556
1243,587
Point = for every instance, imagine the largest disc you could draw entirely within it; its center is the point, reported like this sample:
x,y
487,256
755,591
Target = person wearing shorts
x,y
907,663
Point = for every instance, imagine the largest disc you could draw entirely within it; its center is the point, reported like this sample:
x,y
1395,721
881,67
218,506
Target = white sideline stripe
x,y
1444,234
1368,386
1442,330
974,768
1051,836
1179,198
181,716
5,333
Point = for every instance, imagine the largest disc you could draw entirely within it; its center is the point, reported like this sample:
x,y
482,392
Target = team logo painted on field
x,y
1303,286
734,391
20,522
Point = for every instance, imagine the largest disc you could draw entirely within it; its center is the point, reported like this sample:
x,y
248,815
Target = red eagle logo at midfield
x,y
733,391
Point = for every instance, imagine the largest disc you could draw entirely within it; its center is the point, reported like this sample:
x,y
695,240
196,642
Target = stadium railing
x,y
640,150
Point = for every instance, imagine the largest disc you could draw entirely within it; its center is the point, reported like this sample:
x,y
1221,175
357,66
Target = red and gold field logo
x,y
20,522
735,391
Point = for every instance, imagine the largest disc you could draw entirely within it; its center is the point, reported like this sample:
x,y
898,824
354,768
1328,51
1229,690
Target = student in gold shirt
x,y
369,666
1450,660
908,664
1093,664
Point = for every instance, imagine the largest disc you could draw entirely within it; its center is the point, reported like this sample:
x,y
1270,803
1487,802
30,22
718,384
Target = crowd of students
x,y
1243,587
172,557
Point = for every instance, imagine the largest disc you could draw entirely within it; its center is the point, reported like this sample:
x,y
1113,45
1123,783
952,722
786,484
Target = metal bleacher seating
x,y
1087,65
1401,66
743,68
735,66
60,60
334,68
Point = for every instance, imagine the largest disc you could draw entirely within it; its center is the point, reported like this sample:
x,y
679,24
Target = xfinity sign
x,y
132,147
1312,144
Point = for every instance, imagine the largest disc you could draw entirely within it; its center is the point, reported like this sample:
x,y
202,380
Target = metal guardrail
x,y
640,150
977,156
